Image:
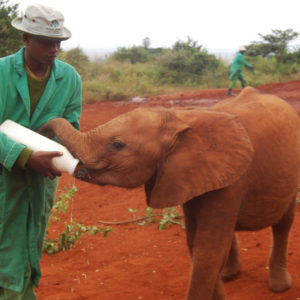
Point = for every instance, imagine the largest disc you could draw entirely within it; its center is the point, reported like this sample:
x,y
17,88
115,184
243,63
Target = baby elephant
x,y
233,166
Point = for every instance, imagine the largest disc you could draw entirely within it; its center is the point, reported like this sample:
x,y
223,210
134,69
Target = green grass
x,y
115,81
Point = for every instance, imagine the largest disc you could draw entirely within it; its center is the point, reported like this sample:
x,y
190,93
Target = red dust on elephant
x,y
234,166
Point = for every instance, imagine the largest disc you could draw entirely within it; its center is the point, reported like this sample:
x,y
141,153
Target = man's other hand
x,y
41,161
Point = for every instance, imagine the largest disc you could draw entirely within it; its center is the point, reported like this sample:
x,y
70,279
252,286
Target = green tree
x,y
187,61
292,57
275,44
10,38
77,59
135,54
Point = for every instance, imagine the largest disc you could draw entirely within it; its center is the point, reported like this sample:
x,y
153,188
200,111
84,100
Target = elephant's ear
x,y
213,154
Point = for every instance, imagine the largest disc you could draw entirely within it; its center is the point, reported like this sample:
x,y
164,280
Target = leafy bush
x,y
292,57
133,55
186,63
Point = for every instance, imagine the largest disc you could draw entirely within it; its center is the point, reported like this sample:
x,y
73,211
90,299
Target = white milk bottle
x,y
38,142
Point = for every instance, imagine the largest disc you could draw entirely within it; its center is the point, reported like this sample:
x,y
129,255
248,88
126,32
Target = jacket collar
x,y
22,86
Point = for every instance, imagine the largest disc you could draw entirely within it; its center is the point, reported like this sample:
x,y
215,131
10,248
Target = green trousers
x,y
234,76
28,293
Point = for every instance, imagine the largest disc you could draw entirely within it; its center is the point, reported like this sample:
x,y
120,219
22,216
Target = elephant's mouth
x,y
83,174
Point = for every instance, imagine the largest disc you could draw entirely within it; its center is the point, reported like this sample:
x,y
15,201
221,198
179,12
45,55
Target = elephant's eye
x,y
116,145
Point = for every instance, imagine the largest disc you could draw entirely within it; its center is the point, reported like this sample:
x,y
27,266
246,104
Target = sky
x,y
223,25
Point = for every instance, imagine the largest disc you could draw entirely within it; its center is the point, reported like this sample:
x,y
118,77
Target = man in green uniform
x,y
35,88
236,70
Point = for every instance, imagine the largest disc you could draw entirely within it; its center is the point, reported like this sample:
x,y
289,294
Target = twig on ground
x,y
133,220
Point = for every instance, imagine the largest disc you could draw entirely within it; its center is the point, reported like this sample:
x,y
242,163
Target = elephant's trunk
x,y
74,140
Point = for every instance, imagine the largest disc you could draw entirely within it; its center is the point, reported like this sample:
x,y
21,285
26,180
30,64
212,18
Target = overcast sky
x,y
215,24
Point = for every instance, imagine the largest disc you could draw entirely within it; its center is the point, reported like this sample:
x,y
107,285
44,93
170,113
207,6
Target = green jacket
x,y
238,63
26,197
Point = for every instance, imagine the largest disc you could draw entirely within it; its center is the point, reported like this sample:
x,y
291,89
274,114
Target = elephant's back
x,y
274,130
266,117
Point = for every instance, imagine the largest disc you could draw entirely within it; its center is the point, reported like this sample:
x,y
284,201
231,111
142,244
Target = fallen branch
x,y
133,220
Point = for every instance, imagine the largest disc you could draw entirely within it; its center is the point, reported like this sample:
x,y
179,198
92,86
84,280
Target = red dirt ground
x,y
141,262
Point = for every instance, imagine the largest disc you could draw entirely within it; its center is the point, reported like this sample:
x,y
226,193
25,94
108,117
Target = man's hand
x,y
41,161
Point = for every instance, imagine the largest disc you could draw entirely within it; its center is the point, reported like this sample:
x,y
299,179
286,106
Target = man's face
x,y
42,51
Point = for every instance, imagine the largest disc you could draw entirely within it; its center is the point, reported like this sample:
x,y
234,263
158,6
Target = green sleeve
x,y
244,62
9,151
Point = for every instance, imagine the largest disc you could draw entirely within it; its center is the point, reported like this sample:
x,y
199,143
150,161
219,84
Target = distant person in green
x,y
35,88
236,70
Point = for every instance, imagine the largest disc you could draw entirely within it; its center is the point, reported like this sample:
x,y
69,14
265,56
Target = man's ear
x,y
25,38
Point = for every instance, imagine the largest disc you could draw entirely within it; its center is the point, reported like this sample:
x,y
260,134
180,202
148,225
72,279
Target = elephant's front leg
x,y
232,267
210,222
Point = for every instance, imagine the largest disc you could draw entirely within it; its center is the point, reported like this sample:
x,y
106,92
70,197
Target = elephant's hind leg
x,y
232,267
219,293
279,278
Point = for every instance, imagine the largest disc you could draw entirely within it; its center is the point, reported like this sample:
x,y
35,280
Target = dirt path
x,y
141,262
